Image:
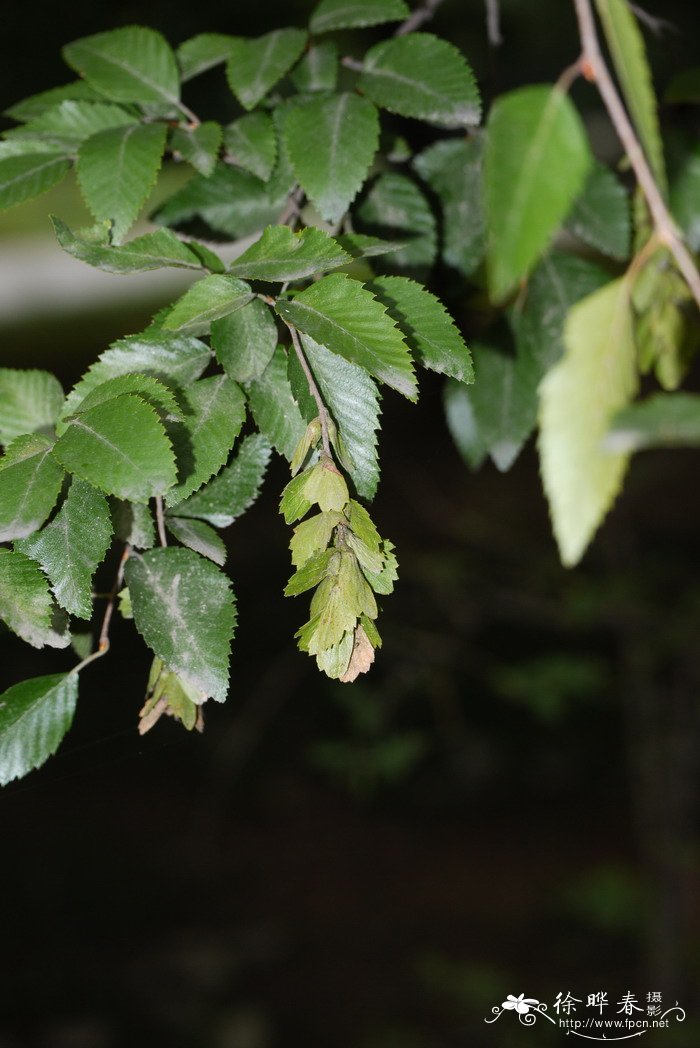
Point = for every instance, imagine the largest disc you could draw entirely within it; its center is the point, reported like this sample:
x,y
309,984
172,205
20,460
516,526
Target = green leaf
x,y
579,397
35,105
342,315
462,423
251,143
132,64
26,605
244,341
537,158
24,177
117,170
360,246
628,52
34,717
30,402
664,420
146,387
236,488
66,125
30,482
255,66
197,535
356,14
396,209
274,407
428,327
313,571
151,251
453,170
353,401
601,214
344,130
185,611
121,448
209,299
318,68
419,75
282,255
685,197
72,546
215,412
202,52
312,536
133,524
199,146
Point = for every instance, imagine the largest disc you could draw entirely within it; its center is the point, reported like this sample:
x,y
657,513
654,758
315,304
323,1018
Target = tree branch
x,y
313,389
595,69
103,642
420,16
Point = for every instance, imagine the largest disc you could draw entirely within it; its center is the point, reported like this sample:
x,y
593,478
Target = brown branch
x,y
313,389
420,16
103,642
596,70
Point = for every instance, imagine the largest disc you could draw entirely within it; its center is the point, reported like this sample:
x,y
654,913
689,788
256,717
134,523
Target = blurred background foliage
x,y
507,805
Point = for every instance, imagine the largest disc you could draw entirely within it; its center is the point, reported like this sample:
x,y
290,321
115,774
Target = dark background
x,y
506,804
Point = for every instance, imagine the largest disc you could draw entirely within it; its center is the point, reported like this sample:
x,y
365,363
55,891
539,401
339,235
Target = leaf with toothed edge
x,y
356,14
201,53
281,255
34,717
200,537
244,341
30,482
199,146
255,66
209,299
236,488
275,408
30,402
26,605
131,64
151,251
251,143
24,177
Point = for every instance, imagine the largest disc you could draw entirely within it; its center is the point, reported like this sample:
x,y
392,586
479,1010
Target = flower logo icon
x,y
521,1004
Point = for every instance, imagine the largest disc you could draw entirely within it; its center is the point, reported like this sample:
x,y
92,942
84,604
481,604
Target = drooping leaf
x,y
197,535
345,317
133,64
26,605
185,611
626,43
215,412
452,168
462,423
353,401
235,489
255,66
30,482
151,251
274,407
66,125
331,140
71,547
594,380
24,177
244,341
34,717
601,214
209,299
199,146
133,524
428,327
35,105
661,421
30,402
117,170
282,255
251,143
356,14
422,76
121,448
317,70
202,52
536,160
396,209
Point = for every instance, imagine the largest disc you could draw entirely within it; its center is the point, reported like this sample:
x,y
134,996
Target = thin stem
x,y
292,208
313,389
656,25
595,69
493,23
192,117
160,521
103,641
420,16
567,77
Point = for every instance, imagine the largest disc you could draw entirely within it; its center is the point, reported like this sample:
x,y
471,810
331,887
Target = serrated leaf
x,y
185,611
34,717
121,448
146,387
35,105
626,43
594,380
274,407
282,255
30,402
312,536
244,341
209,299
251,143
133,64
395,208
28,146
24,177
117,169
66,125
199,145
133,524
72,546
26,605
317,70
331,141
342,315
151,251
356,14
30,482
236,488
422,76
428,327
601,214
215,412
664,420
310,573
361,246
255,66
197,535
453,168
202,52
353,401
